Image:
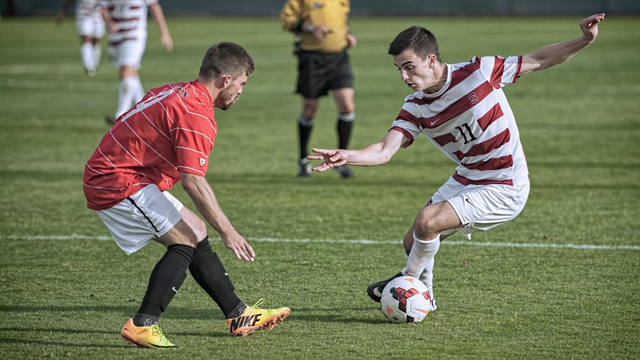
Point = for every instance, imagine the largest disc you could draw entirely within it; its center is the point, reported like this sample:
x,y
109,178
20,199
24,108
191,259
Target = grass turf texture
x,y
579,127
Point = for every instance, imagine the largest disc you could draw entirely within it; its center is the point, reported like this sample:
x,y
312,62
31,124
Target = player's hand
x,y
59,17
111,27
589,26
167,42
317,31
351,41
332,158
239,246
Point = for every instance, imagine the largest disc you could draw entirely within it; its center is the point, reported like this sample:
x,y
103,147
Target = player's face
x,y
229,95
414,71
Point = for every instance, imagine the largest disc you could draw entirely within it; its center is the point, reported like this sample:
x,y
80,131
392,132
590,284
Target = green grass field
x,y
67,289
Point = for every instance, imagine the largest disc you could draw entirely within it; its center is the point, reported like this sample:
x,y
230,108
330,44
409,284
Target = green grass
x,y
579,127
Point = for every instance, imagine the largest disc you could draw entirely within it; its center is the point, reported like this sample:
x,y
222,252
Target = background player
x,y
127,25
90,27
323,65
463,111
164,139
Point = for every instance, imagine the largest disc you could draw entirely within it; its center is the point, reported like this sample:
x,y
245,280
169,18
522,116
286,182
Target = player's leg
x,y
344,125
208,271
421,253
305,126
133,223
129,55
87,54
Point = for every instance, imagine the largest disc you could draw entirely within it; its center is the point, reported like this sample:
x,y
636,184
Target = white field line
x,y
360,242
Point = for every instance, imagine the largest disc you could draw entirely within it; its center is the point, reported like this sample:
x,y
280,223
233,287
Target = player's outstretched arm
x,y
62,12
165,37
205,201
374,154
555,54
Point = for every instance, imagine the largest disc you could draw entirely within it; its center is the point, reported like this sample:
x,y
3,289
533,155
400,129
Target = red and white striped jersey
x,y
87,9
470,121
171,130
130,17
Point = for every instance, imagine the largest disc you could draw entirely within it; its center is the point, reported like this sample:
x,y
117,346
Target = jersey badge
x,y
202,162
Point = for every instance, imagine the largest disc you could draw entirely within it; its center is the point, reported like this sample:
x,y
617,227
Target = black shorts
x,y
320,72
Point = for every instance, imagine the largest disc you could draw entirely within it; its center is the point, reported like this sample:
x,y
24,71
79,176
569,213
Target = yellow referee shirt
x,y
332,13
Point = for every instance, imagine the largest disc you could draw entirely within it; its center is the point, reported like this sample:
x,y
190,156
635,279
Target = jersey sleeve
x,y
407,123
501,71
193,137
290,15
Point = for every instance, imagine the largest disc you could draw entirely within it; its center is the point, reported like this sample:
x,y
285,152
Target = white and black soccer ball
x,y
405,299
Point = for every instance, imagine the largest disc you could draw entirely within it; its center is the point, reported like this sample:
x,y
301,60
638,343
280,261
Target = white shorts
x,y
143,216
128,53
481,207
92,26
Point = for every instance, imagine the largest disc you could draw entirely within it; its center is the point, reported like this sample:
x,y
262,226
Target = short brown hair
x,y
225,58
418,39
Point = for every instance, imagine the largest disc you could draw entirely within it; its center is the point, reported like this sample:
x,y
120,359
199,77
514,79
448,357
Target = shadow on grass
x,y
343,315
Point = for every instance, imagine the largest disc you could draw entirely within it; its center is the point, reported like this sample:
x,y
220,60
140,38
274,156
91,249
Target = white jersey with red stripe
x,y
130,18
87,8
471,122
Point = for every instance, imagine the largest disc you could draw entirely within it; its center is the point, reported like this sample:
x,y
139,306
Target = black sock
x,y
209,273
304,133
344,133
164,282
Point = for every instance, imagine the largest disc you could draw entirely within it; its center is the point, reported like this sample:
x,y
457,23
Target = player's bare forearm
x,y
374,154
165,36
559,53
205,201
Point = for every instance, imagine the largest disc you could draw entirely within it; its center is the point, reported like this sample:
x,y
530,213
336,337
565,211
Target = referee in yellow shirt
x,y
323,65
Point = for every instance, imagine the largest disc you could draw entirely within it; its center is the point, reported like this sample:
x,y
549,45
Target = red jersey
x,y
171,130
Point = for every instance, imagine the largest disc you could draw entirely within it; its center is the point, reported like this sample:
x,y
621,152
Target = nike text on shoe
x,y
254,318
304,168
375,290
146,336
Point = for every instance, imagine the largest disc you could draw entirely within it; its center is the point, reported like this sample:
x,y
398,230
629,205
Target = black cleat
x,y
304,168
110,120
375,290
344,171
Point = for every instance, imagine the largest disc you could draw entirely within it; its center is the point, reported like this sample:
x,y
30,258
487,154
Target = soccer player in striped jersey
x,y
166,138
90,27
127,26
462,110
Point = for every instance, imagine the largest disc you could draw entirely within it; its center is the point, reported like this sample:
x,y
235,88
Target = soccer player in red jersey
x,y
462,110
166,138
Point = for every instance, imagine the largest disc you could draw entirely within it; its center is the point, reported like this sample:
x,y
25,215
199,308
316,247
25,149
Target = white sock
x,y
421,257
129,89
86,50
97,51
139,91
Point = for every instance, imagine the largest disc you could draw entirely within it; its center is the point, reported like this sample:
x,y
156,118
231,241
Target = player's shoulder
x,y
411,98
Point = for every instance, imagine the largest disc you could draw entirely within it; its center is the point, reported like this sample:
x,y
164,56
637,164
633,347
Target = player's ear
x,y
227,80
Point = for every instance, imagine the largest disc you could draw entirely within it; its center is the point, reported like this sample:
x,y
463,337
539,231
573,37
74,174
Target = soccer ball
x,y
405,299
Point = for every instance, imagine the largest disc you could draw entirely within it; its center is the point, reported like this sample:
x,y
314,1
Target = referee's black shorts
x,y
320,72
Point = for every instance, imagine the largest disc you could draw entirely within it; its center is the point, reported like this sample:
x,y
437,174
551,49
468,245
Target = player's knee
x,y
426,226
200,229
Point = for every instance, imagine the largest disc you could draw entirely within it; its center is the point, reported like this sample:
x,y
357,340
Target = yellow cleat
x,y
146,336
253,318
